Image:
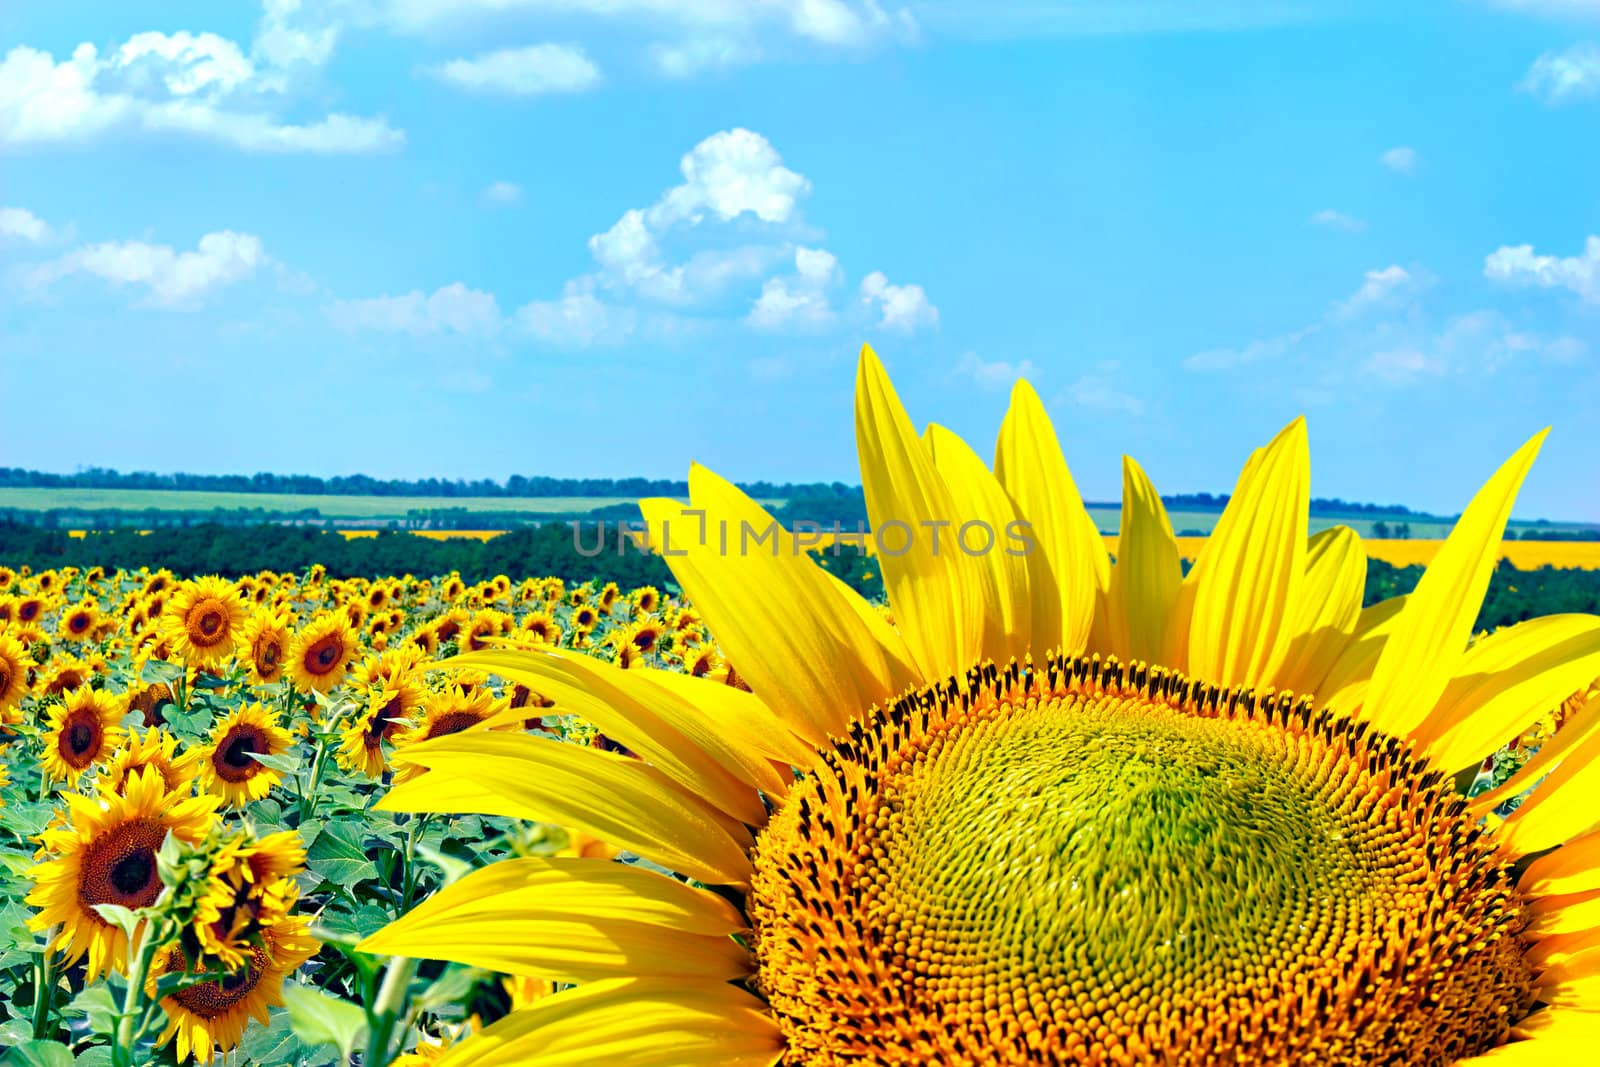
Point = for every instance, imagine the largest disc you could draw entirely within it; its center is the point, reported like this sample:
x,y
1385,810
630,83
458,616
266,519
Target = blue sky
x,y
469,238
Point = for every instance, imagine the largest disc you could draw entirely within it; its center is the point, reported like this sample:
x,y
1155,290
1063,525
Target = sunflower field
x,y
1024,808
194,842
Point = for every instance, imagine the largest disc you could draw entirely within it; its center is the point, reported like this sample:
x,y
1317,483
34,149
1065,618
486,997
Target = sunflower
x,y
321,653
227,765
106,854
81,732
1058,812
210,1016
485,625
15,663
450,712
646,599
157,749
608,597
266,638
388,713
203,620
585,617
543,628
80,621
249,889
31,608
151,702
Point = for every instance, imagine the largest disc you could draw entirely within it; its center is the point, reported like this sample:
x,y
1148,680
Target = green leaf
x,y
99,1056
318,1019
97,1004
276,1044
283,762
452,867
337,855
125,919
39,1054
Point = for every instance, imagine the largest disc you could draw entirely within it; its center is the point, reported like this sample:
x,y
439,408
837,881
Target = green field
x,y
333,507
378,509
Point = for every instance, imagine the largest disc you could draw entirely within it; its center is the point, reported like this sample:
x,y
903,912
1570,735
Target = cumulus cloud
x,y
531,71
451,309
801,299
578,319
171,278
1560,77
198,84
21,223
696,56
903,307
1521,265
1337,220
1400,159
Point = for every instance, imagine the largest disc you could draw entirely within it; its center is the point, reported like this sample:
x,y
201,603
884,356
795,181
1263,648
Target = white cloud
x,y
1337,220
1399,366
451,309
991,374
1401,159
22,223
833,23
801,300
281,43
731,173
530,71
904,307
501,194
1379,287
1099,390
1519,264
1269,348
577,319
199,84
173,278
696,56
1559,77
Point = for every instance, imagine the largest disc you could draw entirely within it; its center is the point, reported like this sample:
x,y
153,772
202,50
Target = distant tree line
x,y
553,549
519,485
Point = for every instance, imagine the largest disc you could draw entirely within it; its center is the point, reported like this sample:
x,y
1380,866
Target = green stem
x,y
131,1018
385,1010
43,991
408,882
308,797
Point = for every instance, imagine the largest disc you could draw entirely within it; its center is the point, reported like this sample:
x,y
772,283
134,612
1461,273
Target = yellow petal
x,y
633,1022
572,920
743,714
903,671
1573,732
1562,1023
934,588
1569,913
1147,576
1561,807
674,739
1430,636
1252,568
773,611
1572,868
1507,682
1067,563
1360,654
621,801
1329,609
983,515
1538,1052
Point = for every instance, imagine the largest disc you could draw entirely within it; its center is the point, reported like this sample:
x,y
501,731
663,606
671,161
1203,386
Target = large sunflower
x,y
203,620
228,766
106,854
213,1015
15,663
81,732
1059,811
321,653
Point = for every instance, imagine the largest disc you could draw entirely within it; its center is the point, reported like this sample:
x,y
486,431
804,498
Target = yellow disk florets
x,y
1097,865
